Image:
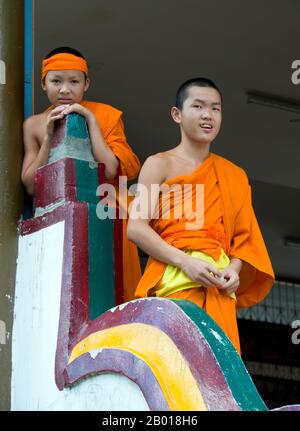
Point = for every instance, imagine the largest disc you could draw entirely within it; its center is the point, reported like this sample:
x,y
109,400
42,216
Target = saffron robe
x,y
110,122
242,240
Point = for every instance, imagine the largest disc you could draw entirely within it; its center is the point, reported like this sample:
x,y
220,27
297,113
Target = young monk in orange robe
x,y
65,80
215,256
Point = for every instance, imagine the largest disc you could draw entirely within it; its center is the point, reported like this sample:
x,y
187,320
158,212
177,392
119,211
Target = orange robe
x,y
112,127
230,223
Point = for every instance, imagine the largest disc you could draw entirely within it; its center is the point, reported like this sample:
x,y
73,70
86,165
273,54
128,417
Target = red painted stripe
x,y
101,173
35,224
56,182
74,307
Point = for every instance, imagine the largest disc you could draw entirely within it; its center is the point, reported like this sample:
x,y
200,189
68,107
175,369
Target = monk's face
x,y
65,87
200,117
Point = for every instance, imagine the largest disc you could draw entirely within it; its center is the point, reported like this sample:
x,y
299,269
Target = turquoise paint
x,y
76,143
101,263
231,364
76,126
100,242
87,181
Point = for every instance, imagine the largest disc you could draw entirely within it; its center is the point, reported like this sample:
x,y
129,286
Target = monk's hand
x,y
79,109
201,272
231,280
54,114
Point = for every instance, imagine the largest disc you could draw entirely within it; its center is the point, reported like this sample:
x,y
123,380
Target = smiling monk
x,y
214,256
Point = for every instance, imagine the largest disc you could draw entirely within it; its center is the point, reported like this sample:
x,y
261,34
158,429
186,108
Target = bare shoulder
x,y
34,120
154,169
162,159
34,129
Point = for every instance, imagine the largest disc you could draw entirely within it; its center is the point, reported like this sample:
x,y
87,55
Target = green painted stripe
x,y
76,126
231,364
87,181
101,264
101,242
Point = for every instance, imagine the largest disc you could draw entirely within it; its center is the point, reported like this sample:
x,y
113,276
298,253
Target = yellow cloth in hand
x,y
174,279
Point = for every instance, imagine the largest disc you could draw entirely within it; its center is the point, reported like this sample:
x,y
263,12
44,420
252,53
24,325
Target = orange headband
x,y
64,61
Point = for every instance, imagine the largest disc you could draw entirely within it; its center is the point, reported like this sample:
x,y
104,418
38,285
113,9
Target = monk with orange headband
x,y
65,80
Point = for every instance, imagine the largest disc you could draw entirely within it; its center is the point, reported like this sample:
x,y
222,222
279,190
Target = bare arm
x,y
36,155
101,151
147,239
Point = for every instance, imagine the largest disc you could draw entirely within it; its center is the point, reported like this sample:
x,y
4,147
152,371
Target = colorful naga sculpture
x,y
76,345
